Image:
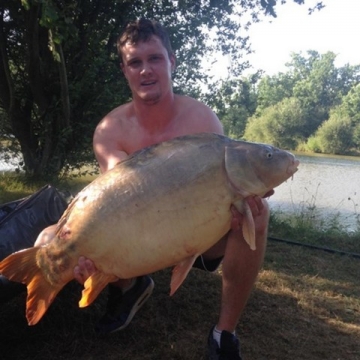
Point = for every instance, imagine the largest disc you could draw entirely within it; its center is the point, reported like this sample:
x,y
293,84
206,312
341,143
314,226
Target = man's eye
x,y
134,63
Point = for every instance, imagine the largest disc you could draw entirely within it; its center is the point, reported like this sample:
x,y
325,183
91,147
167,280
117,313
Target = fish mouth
x,y
293,167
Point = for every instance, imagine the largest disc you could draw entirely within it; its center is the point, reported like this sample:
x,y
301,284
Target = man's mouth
x,y
148,83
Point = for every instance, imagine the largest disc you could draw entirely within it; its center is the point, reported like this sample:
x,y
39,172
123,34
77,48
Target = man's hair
x,y
143,30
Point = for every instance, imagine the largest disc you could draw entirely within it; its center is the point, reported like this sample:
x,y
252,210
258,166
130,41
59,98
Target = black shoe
x,y
121,308
229,347
9,289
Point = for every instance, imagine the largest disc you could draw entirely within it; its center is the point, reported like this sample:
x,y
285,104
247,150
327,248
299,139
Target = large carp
x,y
161,207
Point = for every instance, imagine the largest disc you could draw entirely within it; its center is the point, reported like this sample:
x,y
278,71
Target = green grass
x,y
13,187
305,305
306,227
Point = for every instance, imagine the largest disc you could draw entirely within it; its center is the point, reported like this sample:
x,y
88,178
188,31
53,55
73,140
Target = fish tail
x,y
22,267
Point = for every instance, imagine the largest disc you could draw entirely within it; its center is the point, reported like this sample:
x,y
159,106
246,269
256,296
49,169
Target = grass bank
x,y
305,305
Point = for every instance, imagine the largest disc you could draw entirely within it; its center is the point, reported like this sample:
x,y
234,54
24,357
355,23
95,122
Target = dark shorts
x,y
207,265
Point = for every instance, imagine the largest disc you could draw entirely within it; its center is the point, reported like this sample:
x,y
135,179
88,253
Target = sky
x,y
334,28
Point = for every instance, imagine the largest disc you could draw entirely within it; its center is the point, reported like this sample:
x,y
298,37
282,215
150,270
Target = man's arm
x,y
106,148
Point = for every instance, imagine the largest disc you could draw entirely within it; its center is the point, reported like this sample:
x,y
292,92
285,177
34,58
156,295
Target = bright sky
x,y
335,28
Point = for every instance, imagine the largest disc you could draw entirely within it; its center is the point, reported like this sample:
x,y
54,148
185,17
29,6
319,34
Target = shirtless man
x,y
157,114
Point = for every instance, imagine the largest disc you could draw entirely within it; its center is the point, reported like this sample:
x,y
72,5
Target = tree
x,y
341,132
335,135
314,86
320,85
234,103
59,73
273,89
351,105
280,125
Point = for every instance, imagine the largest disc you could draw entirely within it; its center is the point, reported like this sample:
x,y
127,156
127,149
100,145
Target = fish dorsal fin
x,y
180,272
93,286
248,226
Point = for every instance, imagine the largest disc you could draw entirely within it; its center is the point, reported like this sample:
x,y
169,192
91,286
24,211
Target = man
x,y
153,115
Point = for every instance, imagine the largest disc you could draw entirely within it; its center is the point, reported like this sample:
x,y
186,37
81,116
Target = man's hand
x,y
84,269
256,204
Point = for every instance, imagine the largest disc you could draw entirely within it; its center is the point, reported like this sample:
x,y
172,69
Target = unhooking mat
x,y
21,221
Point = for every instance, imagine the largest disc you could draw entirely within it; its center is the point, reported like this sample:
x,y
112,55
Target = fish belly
x,y
158,228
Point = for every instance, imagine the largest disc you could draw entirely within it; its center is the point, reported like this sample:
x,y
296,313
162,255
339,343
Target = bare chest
x,y
138,137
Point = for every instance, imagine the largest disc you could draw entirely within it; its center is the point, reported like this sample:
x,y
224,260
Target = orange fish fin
x,y
248,226
41,294
13,267
180,272
93,286
21,267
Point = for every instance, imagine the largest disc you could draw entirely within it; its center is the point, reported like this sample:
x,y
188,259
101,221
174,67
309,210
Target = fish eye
x,y
269,154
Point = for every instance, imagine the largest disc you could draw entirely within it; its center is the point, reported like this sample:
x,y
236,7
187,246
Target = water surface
x,y
331,184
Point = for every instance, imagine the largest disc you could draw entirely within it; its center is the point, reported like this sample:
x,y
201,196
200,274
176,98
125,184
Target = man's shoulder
x,y
115,117
189,101
120,112
199,115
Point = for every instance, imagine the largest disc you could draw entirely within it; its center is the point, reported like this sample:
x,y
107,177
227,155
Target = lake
x,y
331,184
7,166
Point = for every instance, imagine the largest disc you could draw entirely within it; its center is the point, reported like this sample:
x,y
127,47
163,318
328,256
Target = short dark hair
x,y
143,30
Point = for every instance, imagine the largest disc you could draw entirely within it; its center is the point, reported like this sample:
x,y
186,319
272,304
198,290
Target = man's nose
x,y
146,68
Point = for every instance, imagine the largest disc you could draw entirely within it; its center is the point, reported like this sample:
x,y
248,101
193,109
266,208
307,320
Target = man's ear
x,y
123,69
172,62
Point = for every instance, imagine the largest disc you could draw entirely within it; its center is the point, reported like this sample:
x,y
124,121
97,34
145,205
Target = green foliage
x,y
351,104
293,108
313,144
351,107
273,89
234,122
280,125
234,103
305,226
319,85
356,136
335,135
340,133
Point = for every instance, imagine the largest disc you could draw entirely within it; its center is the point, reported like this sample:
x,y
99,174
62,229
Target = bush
x,y
335,135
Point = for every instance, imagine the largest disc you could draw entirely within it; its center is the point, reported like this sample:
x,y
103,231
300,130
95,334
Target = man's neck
x,y
155,117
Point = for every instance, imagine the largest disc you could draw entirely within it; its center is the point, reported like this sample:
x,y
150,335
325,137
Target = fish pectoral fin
x,y
248,226
93,286
180,272
22,267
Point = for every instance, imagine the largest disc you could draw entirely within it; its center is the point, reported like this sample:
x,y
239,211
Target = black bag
x,y
21,221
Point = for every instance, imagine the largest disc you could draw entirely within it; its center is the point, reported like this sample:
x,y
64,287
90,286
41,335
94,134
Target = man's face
x,y
147,68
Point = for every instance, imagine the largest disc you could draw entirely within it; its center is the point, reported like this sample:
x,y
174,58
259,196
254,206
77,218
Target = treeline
x,y
313,106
